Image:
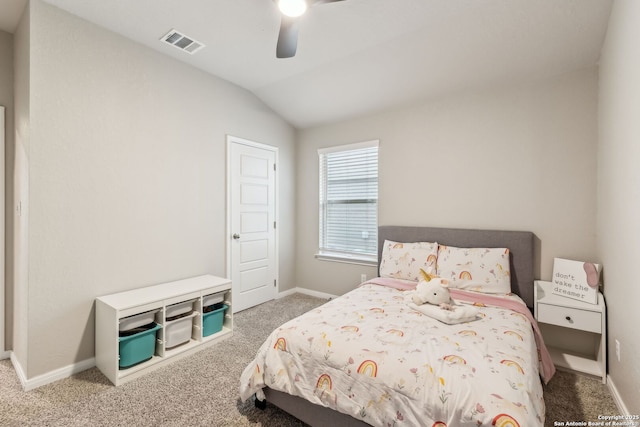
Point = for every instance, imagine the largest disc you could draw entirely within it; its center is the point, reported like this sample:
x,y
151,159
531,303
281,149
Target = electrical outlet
x,y
363,278
618,350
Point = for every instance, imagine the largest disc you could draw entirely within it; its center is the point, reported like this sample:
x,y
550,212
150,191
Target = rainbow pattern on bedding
x,y
281,344
369,355
324,382
369,368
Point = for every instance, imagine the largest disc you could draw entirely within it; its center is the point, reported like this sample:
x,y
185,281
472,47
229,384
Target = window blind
x,y
349,200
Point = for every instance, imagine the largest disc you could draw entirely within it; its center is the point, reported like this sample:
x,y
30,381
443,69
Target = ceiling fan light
x,y
292,8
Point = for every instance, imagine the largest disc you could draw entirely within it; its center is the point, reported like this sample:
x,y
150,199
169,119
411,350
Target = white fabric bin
x,y
179,308
208,300
137,320
178,331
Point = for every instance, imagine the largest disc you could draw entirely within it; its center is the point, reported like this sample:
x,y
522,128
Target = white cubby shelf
x,y
111,309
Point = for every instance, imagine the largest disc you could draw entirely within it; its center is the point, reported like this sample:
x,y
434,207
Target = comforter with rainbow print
x,y
368,355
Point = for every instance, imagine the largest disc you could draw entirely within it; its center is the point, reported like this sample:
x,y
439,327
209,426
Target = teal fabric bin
x,y
212,321
137,347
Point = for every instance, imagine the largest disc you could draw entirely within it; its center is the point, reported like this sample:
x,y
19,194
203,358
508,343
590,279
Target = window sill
x,y
348,259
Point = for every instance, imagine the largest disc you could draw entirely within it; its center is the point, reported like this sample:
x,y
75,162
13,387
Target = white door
x,y
252,222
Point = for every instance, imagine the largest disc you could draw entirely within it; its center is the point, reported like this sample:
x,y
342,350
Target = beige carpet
x,y
202,390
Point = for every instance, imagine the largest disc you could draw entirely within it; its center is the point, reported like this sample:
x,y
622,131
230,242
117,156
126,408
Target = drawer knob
x,y
569,319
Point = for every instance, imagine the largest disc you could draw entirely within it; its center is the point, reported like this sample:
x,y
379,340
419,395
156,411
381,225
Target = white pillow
x,y
404,260
475,269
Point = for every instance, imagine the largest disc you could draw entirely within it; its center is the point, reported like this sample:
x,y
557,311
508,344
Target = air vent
x,y
182,42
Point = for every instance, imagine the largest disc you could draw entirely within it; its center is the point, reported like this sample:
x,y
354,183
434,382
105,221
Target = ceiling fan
x,y
288,36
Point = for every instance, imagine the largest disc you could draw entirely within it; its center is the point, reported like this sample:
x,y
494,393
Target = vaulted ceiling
x,y
356,57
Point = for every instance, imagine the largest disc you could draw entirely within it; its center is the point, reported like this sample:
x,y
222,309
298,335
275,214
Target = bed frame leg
x,y
260,404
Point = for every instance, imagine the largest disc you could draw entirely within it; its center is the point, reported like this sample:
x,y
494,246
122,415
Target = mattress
x,y
369,355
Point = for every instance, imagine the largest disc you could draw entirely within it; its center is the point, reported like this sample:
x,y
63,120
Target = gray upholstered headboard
x,y
520,244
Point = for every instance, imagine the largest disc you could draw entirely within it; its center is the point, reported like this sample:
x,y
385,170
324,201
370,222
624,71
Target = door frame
x,y
3,311
237,140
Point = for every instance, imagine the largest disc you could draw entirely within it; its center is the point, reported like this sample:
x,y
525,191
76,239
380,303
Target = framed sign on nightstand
x,y
576,279
574,331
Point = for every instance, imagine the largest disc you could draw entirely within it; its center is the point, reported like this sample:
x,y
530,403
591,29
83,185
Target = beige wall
x,y
127,164
519,157
20,181
619,194
6,100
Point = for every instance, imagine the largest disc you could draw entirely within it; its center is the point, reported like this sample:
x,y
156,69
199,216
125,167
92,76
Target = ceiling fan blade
x,y
287,38
315,2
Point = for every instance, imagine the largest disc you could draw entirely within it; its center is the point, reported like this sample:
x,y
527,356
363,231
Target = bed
x,y
368,358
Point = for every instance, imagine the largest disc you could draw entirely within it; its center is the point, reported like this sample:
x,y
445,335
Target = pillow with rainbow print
x,y
404,260
475,269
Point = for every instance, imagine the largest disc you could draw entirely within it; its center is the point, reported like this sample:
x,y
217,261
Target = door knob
x,y
236,236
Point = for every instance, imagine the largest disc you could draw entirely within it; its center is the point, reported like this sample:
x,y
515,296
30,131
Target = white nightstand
x,y
574,331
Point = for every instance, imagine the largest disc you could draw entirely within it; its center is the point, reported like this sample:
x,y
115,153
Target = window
x,y
349,202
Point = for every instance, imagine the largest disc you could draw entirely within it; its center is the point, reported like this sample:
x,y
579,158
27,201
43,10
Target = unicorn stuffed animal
x,y
432,297
435,292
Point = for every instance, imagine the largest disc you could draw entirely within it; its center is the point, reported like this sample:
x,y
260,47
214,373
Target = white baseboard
x,y
18,368
616,397
306,292
49,377
67,371
5,355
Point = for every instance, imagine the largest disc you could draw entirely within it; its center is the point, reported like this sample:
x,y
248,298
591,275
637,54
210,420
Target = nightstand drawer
x,y
570,317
